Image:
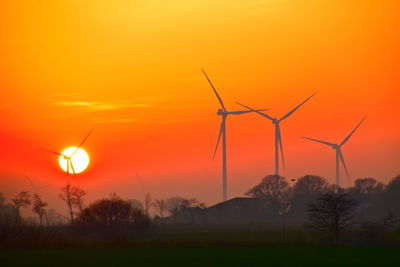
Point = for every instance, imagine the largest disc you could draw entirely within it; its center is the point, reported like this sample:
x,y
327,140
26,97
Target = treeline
x,y
283,197
109,211
369,208
293,197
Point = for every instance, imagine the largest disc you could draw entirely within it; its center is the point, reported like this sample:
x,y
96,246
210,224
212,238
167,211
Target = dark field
x,y
188,246
206,256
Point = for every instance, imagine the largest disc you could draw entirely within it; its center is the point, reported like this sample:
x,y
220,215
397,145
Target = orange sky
x,y
130,70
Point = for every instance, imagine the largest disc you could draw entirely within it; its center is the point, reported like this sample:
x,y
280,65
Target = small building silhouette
x,y
240,210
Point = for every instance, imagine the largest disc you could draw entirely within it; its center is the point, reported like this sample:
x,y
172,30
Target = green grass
x,y
206,256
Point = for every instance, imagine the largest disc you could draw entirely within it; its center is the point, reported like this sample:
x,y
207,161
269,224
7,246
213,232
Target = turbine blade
x,y
280,145
215,91
352,132
52,152
245,111
344,165
221,129
72,167
67,166
293,110
319,141
257,111
83,141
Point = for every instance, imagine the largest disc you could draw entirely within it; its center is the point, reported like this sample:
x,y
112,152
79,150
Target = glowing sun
x,y
73,160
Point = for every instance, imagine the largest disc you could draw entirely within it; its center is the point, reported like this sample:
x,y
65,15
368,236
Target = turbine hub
x,y
220,112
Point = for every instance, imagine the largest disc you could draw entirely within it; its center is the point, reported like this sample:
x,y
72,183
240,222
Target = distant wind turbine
x,y
278,136
339,154
223,112
68,158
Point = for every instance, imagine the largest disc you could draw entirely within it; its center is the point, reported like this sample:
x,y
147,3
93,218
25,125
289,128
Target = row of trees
x,y
115,210
106,211
12,212
368,204
282,196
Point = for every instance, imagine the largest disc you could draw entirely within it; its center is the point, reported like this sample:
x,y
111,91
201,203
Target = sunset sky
x,y
131,71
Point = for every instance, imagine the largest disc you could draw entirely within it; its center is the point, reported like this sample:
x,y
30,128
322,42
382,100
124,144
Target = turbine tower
x,y
223,112
339,154
69,158
278,137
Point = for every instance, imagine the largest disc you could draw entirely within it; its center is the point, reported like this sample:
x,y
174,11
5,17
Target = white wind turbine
x,y
223,112
339,154
278,136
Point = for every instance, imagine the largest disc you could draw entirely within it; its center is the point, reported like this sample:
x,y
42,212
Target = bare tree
x,y
310,185
73,198
160,206
22,200
148,203
77,199
367,186
39,208
136,204
331,214
67,196
275,190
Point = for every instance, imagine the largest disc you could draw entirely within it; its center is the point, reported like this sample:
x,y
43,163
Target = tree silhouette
x,y
367,186
77,199
310,185
136,204
147,204
331,214
392,195
275,190
73,198
394,185
39,208
67,196
111,212
7,212
22,200
160,206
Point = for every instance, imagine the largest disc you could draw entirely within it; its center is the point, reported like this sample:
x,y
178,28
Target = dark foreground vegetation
x,y
206,256
309,222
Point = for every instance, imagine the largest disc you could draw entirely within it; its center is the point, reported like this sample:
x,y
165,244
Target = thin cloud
x,y
97,105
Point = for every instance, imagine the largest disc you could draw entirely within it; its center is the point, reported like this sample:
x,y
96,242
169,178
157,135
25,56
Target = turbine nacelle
x,y
221,112
339,154
69,158
278,136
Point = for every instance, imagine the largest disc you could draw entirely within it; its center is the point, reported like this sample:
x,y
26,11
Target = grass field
x,y
206,256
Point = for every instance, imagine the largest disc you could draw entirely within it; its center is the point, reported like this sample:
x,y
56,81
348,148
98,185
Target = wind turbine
x,y
224,113
69,158
278,136
339,154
